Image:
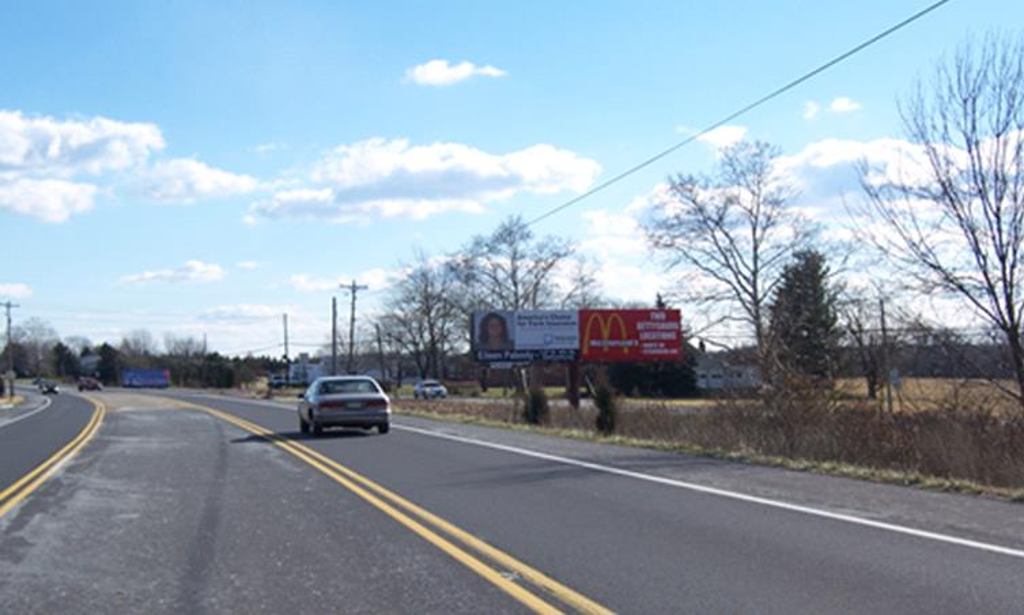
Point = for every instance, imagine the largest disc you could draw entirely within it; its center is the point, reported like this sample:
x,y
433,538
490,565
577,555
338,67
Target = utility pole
x,y
287,370
334,336
380,354
885,357
353,289
10,352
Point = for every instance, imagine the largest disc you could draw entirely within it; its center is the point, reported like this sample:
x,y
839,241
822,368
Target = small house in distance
x,y
726,371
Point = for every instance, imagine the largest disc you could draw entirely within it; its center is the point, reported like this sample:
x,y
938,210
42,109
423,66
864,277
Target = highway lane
x,y
28,438
176,509
171,510
635,546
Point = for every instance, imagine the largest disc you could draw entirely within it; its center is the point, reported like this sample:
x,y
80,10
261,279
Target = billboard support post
x,y
572,385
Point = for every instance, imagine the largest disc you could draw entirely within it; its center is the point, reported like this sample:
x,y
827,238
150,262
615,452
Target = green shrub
x,y
607,407
535,410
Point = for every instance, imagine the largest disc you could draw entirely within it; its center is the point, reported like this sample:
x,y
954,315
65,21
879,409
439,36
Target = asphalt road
x,y
173,508
33,432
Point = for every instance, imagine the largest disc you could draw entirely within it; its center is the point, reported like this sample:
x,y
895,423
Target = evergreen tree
x,y
110,364
804,324
65,361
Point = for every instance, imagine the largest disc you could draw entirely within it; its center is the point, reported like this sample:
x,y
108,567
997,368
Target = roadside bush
x,y
951,441
607,407
536,408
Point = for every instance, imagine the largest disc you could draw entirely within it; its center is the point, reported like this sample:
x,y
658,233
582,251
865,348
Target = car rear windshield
x,y
341,387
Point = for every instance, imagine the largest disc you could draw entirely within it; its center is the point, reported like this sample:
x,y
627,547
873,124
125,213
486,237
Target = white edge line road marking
x,y
984,546
735,495
46,404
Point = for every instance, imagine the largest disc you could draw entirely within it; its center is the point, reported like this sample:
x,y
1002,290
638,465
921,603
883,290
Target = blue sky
x,y
200,167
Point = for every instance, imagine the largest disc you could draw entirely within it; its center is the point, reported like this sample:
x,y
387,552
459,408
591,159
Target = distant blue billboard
x,y
146,378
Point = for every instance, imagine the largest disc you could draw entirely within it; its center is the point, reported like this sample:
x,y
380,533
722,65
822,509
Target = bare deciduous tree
x,y
580,288
512,269
954,223
138,347
863,337
422,318
182,346
733,232
37,338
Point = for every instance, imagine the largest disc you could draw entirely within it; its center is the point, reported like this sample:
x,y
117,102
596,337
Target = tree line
x,y
37,350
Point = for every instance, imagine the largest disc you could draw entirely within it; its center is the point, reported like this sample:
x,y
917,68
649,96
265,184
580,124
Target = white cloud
x,y
266,148
811,110
826,172
51,200
249,265
184,180
439,73
376,279
724,136
388,178
611,234
42,161
843,105
618,245
15,290
191,271
307,283
40,156
245,312
66,147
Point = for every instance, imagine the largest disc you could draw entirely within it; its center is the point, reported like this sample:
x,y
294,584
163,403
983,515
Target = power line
x,y
743,110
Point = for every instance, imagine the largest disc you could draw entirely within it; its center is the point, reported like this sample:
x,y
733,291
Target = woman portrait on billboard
x,y
493,333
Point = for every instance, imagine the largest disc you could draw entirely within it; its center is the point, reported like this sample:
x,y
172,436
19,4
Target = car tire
x,y
383,428
303,425
318,430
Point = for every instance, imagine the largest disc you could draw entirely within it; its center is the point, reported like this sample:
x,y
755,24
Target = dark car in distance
x,y
86,383
48,387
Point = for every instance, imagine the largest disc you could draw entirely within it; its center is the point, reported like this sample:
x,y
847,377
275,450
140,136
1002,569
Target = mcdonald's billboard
x,y
518,337
630,335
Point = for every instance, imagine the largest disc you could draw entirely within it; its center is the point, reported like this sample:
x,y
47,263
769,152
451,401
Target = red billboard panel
x,y
630,335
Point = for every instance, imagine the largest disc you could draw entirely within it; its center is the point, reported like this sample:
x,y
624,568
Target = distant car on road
x,y
344,401
277,381
46,387
429,389
89,384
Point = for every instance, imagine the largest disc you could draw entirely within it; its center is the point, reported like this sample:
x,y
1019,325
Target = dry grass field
x,y
965,436
938,394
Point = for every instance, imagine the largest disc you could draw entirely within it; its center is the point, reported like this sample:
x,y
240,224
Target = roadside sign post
x,y
572,385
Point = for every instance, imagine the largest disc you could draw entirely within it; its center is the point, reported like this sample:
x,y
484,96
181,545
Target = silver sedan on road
x,y
344,401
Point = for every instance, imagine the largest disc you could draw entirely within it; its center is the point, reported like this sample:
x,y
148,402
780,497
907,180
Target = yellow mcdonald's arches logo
x,y
604,325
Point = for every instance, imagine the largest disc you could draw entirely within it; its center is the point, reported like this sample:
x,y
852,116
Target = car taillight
x,y
331,404
377,403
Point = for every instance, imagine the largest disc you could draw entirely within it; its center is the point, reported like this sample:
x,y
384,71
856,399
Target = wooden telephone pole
x,y
352,289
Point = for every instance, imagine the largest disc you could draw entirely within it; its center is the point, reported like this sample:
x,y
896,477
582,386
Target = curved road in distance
x,y
29,437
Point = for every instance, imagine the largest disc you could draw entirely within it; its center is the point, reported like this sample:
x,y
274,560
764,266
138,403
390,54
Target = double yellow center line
x,y
24,486
455,542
